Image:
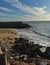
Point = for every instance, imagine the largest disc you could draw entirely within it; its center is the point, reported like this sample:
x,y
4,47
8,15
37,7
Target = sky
x,y
24,10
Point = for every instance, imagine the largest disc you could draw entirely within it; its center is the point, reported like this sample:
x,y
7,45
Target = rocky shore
x,y
28,52
22,50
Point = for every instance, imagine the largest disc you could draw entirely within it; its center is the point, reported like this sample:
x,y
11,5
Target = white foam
x,y
37,39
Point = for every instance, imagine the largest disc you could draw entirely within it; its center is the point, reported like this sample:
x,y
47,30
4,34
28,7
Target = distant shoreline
x,y
14,25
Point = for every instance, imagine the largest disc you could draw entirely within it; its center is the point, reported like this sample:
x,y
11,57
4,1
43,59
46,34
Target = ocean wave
x,y
41,34
35,37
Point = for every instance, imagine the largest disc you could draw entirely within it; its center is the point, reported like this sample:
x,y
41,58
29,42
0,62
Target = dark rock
x,y
14,25
2,59
23,46
45,54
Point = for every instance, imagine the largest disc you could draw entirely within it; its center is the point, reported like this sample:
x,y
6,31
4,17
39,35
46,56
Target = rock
x,y
14,25
43,49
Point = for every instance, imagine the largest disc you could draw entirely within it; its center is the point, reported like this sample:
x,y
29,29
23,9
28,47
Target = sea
x,y
39,33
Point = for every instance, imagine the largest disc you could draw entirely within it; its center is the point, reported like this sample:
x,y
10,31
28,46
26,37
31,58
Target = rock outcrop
x,y
14,25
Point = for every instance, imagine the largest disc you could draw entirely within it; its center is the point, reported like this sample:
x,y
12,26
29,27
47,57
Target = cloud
x,y
41,11
12,1
6,9
35,13
16,15
7,15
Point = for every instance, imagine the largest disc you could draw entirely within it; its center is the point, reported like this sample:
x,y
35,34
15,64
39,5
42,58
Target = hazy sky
x,y
24,10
